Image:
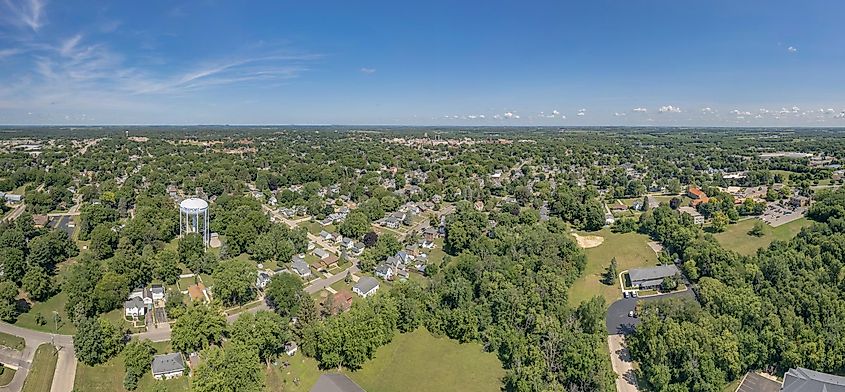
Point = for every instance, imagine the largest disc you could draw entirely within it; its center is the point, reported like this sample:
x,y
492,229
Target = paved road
x,y
617,320
620,358
65,367
15,213
322,283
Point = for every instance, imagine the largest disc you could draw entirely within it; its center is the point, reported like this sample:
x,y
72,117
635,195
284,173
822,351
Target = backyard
x,y
418,361
736,236
631,251
109,376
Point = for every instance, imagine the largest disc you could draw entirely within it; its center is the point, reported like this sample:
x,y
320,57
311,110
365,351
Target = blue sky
x,y
751,63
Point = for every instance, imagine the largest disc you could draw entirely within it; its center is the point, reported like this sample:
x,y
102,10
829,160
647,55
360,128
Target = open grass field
x,y
55,303
40,376
736,236
299,376
12,341
630,249
7,375
108,377
419,361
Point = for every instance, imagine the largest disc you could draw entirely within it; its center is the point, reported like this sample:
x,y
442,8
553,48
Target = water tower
x,y
193,218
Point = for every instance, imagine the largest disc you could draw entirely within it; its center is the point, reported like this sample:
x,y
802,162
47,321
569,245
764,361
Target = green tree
x,y
8,292
110,291
37,283
200,327
137,357
720,221
264,331
103,242
175,304
96,341
611,273
167,266
235,369
757,229
192,251
355,226
235,282
283,294
13,263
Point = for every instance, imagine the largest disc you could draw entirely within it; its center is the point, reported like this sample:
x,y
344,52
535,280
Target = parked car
x,y
631,314
625,294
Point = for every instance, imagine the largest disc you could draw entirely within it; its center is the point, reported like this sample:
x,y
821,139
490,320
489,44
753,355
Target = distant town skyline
x,y
544,63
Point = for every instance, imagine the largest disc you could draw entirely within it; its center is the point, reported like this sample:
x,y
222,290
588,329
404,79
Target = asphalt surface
x,y
617,320
65,366
754,382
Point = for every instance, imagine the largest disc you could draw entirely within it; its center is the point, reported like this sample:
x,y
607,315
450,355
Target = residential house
x,y
291,348
347,243
167,366
391,223
325,235
342,301
806,380
145,294
697,218
262,279
366,286
13,198
40,220
321,253
299,266
157,292
652,277
385,271
404,256
134,308
430,234
358,248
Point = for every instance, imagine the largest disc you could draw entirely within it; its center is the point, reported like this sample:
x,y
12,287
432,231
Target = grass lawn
x,y
315,227
40,376
419,361
736,236
631,251
301,369
55,303
12,341
7,375
108,377
184,283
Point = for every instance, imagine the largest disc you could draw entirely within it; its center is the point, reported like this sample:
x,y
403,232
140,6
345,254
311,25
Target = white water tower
x,y
193,218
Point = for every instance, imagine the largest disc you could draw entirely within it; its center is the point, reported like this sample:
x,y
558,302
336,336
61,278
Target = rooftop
x,y
335,383
652,273
806,380
167,363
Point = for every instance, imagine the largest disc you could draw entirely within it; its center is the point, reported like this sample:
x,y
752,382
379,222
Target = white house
x,y
366,286
134,308
167,366
262,279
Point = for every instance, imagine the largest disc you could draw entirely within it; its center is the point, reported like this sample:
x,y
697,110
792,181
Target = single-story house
x,y
167,366
300,267
366,286
13,198
40,220
321,253
652,277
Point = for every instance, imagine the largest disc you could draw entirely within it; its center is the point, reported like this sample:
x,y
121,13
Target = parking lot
x,y
618,320
776,214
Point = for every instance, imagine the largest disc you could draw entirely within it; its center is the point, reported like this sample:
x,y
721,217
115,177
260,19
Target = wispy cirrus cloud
x,y
25,14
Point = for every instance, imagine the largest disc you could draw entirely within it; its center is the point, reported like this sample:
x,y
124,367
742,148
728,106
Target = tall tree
x,y
200,327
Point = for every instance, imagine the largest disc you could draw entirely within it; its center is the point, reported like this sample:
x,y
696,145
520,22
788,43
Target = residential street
x,y
65,367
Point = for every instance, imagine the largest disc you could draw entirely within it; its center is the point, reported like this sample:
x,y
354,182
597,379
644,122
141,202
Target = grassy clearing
x,y
55,303
12,341
299,376
108,377
736,236
419,361
631,251
6,376
40,376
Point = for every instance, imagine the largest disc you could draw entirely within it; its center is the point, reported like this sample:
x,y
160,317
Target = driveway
x,y
620,358
617,320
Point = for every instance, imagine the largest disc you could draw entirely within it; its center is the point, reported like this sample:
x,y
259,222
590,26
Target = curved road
x,y
65,365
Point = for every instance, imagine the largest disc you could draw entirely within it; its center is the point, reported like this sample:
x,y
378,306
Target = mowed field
x,y
630,249
418,361
736,236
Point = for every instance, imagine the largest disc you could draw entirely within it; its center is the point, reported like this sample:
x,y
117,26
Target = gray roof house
x,y
335,382
300,267
806,380
366,286
652,276
167,366
321,253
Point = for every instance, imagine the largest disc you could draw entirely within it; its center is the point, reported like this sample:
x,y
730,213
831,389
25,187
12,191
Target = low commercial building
x,y
652,277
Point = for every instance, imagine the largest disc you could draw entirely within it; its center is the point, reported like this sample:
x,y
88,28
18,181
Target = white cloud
x,y
640,110
582,112
368,71
669,109
738,112
707,110
555,113
509,115
618,114
28,13
792,49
